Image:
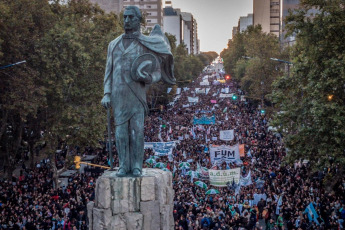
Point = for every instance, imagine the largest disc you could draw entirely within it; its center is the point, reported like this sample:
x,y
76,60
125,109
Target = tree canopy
x,y
247,60
311,101
59,89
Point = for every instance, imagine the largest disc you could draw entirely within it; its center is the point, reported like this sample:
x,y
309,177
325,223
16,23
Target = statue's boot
x,y
136,172
121,173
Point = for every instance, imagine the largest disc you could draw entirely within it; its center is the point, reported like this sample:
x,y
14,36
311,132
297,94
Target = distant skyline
x,y
215,19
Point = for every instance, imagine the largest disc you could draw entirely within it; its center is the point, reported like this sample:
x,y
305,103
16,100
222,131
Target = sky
x,y
215,19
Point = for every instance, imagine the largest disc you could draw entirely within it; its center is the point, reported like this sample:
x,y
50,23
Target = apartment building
x,y
267,14
153,10
109,5
183,26
244,22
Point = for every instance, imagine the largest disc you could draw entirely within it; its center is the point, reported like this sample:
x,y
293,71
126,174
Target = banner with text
x,y
161,148
204,83
223,95
226,135
204,120
220,178
193,99
224,153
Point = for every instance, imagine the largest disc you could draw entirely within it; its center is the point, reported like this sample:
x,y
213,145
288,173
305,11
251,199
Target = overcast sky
x,y
215,19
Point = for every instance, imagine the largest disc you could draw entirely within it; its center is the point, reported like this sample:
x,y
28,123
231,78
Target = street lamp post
x,y
286,62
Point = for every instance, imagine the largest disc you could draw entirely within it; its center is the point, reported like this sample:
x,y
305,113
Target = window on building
x,y
148,20
148,7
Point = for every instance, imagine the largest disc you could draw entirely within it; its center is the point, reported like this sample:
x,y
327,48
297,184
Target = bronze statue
x,y
134,62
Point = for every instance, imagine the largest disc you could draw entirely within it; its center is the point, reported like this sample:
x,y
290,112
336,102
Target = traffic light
x,y
330,97
77,162
262,112
227,77
234,97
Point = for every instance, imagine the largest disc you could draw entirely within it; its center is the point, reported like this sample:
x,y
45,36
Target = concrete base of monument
x,y
128,203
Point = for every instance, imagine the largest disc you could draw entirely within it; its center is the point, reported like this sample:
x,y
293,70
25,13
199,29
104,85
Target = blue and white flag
x,y
168,90
245,181
280,202
312,215
249,154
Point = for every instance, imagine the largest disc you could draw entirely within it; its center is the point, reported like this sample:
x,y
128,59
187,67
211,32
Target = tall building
x,y
183,26
234,31
109,5
267,14
286,6
245,21
153,9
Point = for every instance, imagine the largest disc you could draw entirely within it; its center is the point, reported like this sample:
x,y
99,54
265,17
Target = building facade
x,y
245,21
109,5
153,10
183,26
267,14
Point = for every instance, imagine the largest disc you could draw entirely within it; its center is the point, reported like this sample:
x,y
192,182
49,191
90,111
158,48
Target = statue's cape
x,y
158,43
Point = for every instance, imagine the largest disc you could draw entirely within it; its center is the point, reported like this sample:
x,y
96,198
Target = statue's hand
x,y
144,76
106,100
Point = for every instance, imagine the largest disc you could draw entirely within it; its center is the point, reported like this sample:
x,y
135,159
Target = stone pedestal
x,y
133,203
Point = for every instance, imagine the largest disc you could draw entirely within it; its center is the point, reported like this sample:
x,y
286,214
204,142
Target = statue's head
x,y
132,18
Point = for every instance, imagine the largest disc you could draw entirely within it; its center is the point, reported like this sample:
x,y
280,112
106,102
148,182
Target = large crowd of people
x,y
277,198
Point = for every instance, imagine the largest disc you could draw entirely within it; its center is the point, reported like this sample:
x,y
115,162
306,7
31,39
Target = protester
x,y
277,196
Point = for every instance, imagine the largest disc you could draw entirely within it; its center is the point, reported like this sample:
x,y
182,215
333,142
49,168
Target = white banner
x,y
226,135
161,148
185,106
220,178
224,153
223,95
198,91
204,83
245,181
193,99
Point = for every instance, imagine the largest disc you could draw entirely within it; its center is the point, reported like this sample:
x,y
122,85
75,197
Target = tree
x,y
60,88
74,53
21,92
311,101
247,60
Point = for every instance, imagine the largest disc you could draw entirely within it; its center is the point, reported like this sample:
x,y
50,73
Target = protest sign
x,y
193,99
213,101
161,148
199,91
241,149
226,135
185,106
204,120
224,153
204,83
245,181
220,178
223,95
178,90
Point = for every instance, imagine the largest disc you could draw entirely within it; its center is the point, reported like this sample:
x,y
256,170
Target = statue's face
x,y
131,21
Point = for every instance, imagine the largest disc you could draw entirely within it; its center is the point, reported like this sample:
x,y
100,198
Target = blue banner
x,y
205,120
